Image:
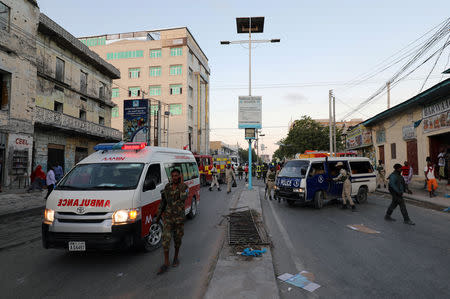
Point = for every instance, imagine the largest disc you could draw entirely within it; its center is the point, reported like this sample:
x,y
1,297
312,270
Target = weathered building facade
x,y
73,98
18,25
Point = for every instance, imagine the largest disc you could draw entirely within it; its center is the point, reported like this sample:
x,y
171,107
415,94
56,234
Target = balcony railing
x,y
65,122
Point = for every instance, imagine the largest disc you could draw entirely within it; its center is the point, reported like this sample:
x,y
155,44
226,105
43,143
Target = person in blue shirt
x,y
59,173
397,187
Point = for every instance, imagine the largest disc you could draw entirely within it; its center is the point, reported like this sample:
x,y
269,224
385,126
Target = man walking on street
x,y
431,179
381,177
172,205
271,175
215,181
346,187
229,176
396,188
51,181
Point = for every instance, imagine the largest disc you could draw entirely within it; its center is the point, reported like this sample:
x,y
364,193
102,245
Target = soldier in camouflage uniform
x,y
344,177
172,205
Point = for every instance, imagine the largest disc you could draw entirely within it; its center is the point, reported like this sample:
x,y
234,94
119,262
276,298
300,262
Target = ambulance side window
x,y
153,177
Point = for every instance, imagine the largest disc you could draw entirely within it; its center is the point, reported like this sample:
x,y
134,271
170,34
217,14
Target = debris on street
x,y
362,228
301,280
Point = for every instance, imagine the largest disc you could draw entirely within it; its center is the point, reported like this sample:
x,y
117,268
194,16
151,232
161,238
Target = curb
x,y
27,212
420,202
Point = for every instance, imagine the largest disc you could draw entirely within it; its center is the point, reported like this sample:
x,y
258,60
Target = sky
x,y
324,45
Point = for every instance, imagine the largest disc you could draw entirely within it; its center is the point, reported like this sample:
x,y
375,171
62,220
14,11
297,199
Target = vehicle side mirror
x,y
149,185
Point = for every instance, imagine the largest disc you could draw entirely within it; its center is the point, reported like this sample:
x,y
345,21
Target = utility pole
x,y
334,125
388,84
330,98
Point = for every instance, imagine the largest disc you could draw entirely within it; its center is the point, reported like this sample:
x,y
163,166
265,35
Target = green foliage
x,y
307,134
243,155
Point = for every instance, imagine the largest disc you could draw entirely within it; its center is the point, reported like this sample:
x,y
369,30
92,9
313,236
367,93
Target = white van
x,y
108,200
309,180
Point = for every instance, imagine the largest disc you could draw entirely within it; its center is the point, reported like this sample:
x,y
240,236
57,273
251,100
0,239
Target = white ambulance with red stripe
x,y
108,200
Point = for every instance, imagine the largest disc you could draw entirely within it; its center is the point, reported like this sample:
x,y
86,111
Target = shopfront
x,y
359,139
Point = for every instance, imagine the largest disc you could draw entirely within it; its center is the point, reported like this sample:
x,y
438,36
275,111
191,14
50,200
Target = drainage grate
x,y
242,229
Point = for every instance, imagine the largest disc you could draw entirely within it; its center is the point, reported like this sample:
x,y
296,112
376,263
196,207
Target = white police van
x,y
108,200
309,180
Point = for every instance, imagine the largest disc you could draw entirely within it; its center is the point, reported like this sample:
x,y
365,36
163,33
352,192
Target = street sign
x,y
250,112
135,120
250,133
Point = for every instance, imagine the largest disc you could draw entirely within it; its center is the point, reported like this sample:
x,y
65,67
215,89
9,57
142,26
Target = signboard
x,y
135,120
436,116
409,132
358,137
250,112
381,135
250,133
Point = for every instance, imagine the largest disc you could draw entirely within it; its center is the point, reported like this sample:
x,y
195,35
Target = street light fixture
x,y
250,25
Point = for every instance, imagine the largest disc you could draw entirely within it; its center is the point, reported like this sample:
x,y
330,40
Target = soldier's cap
x,y
397,166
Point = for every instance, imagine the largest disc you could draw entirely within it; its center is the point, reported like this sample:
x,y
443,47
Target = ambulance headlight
x,y
49,216
299,190
125,216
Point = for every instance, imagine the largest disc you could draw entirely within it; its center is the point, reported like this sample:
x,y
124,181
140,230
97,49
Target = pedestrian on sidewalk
x,y
246,172
428,159
59,173
441,164
240,172
51,181
407,173
264,171
37,178
344,177
397,188
431,179
230,177
215,181
381,177
271,176
172,206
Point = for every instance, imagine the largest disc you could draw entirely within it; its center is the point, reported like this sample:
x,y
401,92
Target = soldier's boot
x,y
388,218
353,208
344,206
270,197
210,189
409,222
218,189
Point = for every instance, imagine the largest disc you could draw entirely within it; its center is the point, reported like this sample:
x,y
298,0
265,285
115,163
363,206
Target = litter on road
x,y
251,252
362,228
301,280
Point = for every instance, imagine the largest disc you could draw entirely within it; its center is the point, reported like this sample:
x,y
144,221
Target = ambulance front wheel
x,y
154,238
194,209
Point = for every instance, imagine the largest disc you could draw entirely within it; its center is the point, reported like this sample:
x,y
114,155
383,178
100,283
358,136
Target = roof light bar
x,y
104,146
134,145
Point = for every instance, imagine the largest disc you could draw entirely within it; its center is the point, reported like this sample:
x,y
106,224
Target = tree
x,y
306,134
243,155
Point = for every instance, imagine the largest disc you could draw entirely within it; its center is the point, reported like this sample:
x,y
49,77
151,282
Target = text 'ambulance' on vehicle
x,y
108,200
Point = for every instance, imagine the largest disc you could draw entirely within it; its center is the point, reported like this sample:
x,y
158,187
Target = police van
x,y
108,200
309,180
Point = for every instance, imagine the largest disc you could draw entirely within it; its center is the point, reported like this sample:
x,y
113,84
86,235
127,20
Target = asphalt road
x,y
401,261
29,271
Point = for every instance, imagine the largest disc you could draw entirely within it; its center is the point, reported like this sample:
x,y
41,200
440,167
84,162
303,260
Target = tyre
x,y
361,197
154,239
290,202
194,209
318,200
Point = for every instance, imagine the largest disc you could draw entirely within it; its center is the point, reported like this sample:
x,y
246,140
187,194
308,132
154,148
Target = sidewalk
x,y
238,277
441,201
19,201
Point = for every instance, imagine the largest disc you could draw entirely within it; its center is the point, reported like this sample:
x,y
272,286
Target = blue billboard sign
x,y
136,120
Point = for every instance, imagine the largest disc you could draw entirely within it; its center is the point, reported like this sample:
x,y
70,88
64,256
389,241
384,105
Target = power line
x,y
434,65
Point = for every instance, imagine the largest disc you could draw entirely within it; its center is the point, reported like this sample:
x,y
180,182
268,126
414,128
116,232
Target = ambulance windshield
x,y
295,169
103,176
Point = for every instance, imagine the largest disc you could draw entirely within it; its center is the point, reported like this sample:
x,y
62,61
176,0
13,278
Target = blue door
x,y
335,188
316,180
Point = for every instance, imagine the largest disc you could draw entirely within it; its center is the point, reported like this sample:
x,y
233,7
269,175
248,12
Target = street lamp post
x,y
167,113
250,25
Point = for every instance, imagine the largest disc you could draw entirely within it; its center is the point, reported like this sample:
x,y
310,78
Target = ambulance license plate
x,y
77,246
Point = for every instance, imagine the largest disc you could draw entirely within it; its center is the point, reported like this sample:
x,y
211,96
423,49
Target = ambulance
x,y
108,200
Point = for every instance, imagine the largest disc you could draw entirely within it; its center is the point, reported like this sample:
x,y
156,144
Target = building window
x,y
155,90
191,112
175,109
4,17
58,107
155,53
101,90
5,84
176,51
176,89
134,92
59,75
134,73
191,92
124,55
115,93
83,82
175,70
82,115
393,151
101,120
94,41
155,71
115,112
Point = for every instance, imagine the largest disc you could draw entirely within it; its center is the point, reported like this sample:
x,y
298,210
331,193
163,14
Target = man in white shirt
x,y
51,181
441,164
431,179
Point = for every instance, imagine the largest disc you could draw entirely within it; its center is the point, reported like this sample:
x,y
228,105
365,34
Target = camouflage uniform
x,y
271,177
172,205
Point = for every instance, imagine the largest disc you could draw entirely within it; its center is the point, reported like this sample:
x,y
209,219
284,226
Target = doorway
x,y
381,153
411,155
55,155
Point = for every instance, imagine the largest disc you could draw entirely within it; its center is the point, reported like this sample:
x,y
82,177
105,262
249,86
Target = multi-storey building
x,y
162,65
